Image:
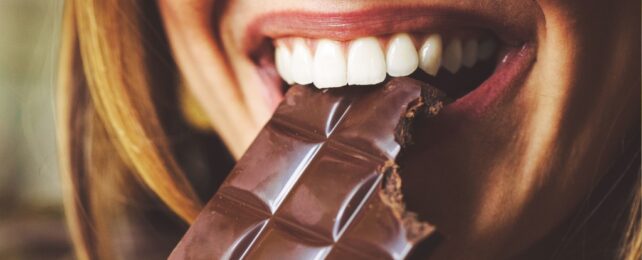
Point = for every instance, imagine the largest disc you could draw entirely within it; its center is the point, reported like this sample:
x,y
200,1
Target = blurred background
x,y
31,217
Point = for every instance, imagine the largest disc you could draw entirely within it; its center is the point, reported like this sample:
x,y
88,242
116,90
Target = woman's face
x,y
503,164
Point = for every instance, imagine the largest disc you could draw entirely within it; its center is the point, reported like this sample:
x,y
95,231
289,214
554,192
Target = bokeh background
x,y
31,216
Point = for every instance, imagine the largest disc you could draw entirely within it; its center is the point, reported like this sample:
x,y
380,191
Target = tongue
x,y
320,180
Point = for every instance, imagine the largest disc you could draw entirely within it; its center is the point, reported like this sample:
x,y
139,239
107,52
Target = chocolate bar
x,y
320,181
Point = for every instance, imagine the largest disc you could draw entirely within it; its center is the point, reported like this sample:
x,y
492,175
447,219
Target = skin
x,y
495,184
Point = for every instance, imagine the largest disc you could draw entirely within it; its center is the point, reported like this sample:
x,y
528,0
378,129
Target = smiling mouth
x,y
456,51
458,61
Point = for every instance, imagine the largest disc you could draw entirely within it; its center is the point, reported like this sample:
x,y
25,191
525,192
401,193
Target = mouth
x,y
471,55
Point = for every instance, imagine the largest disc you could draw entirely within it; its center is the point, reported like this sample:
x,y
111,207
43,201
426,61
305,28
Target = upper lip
x,y
512,27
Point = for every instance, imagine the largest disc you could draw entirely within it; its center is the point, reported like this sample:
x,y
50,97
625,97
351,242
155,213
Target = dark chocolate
x,y
319,181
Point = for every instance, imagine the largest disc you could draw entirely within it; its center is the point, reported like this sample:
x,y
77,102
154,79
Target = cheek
x,y
205,68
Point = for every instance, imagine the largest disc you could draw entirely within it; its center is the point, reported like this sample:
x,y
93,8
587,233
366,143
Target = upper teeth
x,y
363,62
401,58
430,54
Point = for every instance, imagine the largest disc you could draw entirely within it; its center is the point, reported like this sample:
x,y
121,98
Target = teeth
x,y
469,57
401,57
486,49
301,65
430,54
282,59
329,67
366,63
452,56
363,62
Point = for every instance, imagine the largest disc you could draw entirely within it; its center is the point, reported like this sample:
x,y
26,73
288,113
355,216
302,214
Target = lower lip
x,y
504,82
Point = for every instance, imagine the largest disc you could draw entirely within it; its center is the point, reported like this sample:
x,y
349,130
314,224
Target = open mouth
x,y
457,63
457,52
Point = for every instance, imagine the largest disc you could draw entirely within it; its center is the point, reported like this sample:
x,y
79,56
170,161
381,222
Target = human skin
x,y
494,182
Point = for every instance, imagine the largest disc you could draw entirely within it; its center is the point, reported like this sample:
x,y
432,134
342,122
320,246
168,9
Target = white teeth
x,y
366,62
282,59
301,65
469,57
329,67
486,49
430,54
452,56
401,57
363,61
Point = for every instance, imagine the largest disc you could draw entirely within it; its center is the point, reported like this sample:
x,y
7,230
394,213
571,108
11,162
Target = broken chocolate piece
x,y
319,181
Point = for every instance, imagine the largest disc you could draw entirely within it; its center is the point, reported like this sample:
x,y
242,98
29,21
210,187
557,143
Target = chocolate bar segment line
x,y
309,185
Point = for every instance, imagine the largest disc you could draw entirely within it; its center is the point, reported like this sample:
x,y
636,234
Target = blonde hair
x,y
109,126
105,105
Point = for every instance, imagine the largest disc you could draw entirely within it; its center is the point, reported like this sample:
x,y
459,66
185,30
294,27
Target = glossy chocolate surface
x,y
313,183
